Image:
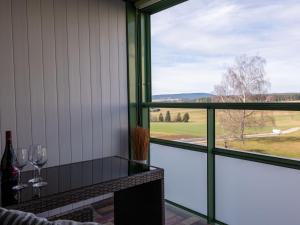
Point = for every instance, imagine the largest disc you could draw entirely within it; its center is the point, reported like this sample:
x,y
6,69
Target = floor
x,y
103,213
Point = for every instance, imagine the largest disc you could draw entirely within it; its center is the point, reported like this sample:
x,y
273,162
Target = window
x,y
266,132
228,51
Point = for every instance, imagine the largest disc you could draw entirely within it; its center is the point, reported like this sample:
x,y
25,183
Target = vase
x,y
141,161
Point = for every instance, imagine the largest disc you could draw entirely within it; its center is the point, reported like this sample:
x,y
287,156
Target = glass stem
x,y
34,172
39,171
19,177
19,196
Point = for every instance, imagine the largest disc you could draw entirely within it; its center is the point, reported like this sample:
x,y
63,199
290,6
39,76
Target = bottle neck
x,y
8,143
8,139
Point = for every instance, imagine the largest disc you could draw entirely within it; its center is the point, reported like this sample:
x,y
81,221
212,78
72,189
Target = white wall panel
x,y
63,77
105,77
96,95
62,71
7,84
21,73
50,81
85,78
122,75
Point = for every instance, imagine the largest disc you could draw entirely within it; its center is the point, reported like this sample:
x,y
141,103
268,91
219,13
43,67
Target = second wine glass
x,y
39,159
35,179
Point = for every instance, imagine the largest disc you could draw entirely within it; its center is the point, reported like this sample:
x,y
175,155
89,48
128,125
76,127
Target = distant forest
x,y
275,97
206,97
285,97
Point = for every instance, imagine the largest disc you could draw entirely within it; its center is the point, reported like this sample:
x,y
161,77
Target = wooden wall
x,y
63,77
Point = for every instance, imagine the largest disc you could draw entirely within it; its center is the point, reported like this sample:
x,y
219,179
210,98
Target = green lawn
x,y
287,146
196,127
284,145
187,130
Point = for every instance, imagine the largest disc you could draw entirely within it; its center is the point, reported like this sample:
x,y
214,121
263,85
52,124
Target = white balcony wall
x,y
185,176
63,79
250,193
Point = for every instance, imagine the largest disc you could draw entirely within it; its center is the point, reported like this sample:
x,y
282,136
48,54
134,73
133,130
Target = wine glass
x,y
39,159
19,163
35,179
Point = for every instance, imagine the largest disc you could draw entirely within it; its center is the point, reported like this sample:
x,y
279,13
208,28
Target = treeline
x,y
283,97
276,97
167,118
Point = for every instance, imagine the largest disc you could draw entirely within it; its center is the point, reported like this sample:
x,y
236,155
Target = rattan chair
x,y
14,217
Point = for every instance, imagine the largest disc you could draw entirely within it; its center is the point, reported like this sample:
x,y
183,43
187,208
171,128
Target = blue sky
x,y
193,43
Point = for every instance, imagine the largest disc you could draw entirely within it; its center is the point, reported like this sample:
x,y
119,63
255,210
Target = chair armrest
x,y
14,217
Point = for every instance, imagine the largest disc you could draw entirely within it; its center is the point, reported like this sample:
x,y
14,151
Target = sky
x,y
193,43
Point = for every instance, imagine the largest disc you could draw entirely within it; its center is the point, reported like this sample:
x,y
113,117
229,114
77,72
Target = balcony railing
x,y
211,129
212,181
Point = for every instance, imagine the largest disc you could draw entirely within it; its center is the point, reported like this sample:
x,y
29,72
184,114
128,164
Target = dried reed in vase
x,y
141,139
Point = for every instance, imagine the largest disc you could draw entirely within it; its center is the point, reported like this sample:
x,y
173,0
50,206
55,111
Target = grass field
x,y
285,145
196,127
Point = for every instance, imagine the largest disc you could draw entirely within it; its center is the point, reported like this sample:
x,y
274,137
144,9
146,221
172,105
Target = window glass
x,y
266,132
182,125
227,51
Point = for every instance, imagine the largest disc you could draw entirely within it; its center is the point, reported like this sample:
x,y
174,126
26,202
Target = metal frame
x,y
241,106
158,6
211,149
268,159
139,93
211,165
261,158
132,68
187,146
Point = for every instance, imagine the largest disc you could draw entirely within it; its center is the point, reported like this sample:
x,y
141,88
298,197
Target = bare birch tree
x,y
245,81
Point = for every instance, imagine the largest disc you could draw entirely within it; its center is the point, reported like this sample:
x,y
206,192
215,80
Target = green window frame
x,y
139,98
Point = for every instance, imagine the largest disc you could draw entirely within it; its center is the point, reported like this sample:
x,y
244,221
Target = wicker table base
x,y
81,215
140,205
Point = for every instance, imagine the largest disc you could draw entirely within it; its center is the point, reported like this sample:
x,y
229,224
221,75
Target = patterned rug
x,y
104,214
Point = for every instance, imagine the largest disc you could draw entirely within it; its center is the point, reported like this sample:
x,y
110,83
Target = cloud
x,y
188,77
200,33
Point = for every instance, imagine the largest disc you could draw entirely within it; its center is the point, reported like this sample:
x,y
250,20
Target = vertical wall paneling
x,y
63,77
114,81
21,67
7,84
36,76
85,78
50,83
74,77
63,88
95,78
123,78
105,77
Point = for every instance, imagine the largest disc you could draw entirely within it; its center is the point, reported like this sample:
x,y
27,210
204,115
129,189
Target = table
x,y
138,189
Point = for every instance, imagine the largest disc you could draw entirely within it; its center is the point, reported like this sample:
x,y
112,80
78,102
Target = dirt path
x,y
201,141
291,130
288,131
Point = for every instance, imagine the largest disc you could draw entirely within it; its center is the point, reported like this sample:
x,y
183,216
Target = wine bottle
x,y
8,172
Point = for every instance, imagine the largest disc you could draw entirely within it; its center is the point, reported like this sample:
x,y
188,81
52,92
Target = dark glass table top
x,y
69,177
